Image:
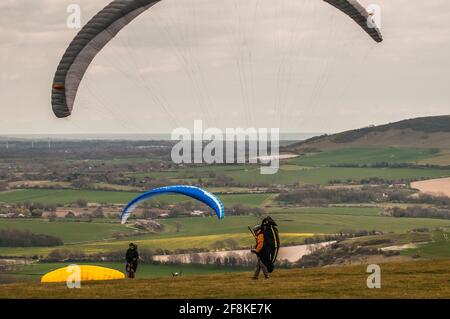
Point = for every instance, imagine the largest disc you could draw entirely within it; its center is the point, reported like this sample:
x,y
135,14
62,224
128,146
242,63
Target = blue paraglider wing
x,y
190,191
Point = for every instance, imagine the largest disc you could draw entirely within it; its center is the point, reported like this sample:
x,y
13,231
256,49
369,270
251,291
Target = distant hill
x,y
423,132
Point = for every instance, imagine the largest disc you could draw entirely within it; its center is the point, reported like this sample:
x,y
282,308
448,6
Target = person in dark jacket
x,y
260,251
132,257
271,242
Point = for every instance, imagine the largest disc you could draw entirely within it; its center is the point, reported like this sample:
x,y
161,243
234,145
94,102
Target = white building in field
x,y
198,213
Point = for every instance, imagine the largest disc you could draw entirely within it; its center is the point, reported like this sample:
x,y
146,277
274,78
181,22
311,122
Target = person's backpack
x,y
271,242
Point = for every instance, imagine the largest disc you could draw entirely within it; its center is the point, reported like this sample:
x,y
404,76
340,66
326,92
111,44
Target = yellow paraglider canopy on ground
x,y
87,273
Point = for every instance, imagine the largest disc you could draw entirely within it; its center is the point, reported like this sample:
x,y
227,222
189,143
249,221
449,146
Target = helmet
x,y
268,221
256,228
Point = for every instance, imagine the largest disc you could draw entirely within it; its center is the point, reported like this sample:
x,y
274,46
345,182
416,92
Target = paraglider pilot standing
x,y
132,258
258,250
267,246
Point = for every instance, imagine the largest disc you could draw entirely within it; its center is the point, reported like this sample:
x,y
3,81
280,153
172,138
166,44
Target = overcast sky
x,y
299,65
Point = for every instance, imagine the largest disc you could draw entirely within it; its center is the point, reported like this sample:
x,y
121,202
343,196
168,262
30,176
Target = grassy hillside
x,y
432,124
439,247
398,280
426,132
34,272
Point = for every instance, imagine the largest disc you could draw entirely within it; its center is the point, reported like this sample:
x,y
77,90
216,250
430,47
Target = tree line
x,y
25,238
317,196
418,212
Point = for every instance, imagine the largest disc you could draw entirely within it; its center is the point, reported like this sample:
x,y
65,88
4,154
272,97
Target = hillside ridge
x,y
426,132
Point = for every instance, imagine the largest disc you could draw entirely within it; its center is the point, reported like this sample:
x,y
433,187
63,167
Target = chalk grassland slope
x,y
420,279
426,132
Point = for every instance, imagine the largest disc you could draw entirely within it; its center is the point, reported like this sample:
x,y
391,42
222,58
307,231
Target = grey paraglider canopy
x,y
103,27
357,12
106,24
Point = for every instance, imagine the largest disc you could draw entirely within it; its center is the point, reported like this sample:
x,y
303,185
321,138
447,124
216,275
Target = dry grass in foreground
x,y
417,279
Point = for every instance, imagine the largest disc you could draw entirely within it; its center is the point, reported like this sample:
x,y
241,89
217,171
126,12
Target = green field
x,y
442,159
292,173
65,196
323,175
189,173
69,232
361,156
308,169
244,240
252,200
438,248
389,239
69,196
295,220
330,210
420,279
295,223
200,232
